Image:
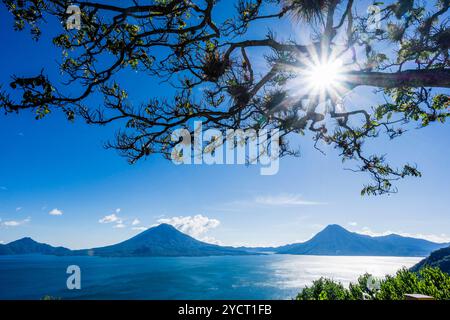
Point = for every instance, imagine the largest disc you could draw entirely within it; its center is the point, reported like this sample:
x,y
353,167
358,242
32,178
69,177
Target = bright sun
x,y
320,78
325,76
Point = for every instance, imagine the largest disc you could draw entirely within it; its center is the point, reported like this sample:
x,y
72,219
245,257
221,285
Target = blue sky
x,y
53,164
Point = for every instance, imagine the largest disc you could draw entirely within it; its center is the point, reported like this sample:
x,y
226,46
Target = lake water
x,y
229,277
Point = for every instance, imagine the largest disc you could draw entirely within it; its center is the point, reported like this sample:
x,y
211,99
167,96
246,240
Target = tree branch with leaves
x,y
215,79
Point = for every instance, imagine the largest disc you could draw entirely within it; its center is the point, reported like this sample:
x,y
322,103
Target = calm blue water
x,y
238,277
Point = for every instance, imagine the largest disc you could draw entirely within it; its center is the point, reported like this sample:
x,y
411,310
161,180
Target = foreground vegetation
x,y
428,281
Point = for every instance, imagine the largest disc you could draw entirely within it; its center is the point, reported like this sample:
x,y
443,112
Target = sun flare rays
x,y
320,77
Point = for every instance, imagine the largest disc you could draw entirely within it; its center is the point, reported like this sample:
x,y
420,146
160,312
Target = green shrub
x,y
324,289
428,281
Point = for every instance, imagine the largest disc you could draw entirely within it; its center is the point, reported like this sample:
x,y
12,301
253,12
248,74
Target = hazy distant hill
x,y
4,250
163,240
439,258
29,246
335,240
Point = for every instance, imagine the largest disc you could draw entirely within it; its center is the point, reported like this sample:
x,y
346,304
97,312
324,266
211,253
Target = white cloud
x,y
56,212
139,228
18,209
442,238
115,219
110,218
195,226
15,223
280,200
211,240
11,223
285,200
135,222
2,242
353,224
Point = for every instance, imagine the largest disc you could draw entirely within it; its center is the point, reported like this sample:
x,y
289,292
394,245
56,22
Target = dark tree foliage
x,y
184,43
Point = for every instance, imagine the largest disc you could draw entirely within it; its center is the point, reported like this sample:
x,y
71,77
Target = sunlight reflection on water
x,y
300,271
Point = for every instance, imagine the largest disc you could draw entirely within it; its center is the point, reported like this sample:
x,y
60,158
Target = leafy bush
x,y
324,289
428,281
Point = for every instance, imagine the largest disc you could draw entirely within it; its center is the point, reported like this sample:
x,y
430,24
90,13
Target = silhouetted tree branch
x,y
186,44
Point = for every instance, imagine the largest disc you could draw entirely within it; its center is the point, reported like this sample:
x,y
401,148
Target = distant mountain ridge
x,y
335,240
29,246
165,240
